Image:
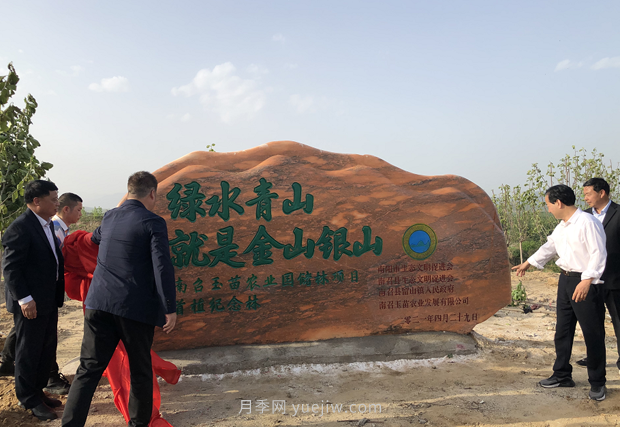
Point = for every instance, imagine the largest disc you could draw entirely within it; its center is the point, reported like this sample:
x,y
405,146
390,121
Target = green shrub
x,y
518,295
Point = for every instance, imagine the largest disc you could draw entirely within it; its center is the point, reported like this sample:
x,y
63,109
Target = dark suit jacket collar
x,y
36,224
133,202
613,210
39,218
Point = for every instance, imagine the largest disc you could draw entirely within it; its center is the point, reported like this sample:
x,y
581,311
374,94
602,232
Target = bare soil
x,y
496,387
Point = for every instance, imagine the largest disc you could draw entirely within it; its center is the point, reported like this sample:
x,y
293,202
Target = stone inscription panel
x,y
285,243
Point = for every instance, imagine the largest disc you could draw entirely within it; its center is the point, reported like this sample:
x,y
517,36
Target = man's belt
x,y
570,273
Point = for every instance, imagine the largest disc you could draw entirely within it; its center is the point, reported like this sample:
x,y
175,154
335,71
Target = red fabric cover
x,y
80,255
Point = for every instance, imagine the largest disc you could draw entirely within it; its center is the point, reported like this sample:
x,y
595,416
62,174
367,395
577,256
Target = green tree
x,y
572,170
97,212
522,211
503,205
516,210
521,216
18,164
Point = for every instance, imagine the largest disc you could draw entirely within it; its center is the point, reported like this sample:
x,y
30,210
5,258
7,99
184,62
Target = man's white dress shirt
x,y
580,244
601,216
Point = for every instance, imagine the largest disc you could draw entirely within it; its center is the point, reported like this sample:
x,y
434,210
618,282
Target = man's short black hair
x,y
38,188
597,184
141,183
68,199
561,192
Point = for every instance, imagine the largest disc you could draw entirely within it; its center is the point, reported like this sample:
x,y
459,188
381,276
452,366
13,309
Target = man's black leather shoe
x,y
51,402
47,403
43,412
57,384
582,362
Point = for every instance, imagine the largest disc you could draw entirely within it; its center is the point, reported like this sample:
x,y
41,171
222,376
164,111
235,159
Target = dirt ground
x,y
495,387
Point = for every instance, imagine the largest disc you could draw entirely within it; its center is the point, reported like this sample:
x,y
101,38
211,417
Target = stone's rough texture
x,y
389,251
378,348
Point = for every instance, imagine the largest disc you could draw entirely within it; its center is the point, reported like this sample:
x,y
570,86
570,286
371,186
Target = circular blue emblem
x,y
419,241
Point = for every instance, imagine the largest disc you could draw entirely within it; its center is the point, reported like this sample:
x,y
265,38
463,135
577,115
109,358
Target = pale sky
x,y
480,89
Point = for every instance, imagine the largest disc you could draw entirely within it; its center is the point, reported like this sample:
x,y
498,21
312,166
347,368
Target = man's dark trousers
x,y
102,332
612,301
8,351
30,267
611,275
591,316
35,355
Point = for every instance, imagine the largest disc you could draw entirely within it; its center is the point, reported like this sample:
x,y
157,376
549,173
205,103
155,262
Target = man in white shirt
x,y
579,241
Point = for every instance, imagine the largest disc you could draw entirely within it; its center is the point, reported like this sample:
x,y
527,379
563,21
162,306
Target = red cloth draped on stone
x,y
80,255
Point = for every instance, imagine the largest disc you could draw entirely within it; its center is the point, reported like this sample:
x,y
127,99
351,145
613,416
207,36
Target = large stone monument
x,y
284,242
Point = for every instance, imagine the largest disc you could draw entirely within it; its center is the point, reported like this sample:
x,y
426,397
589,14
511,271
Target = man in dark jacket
x,y
69,212
596,195
132,291
34,289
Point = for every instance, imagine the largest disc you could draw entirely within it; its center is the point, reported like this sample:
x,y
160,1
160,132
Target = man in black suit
x,y
69,212
34,288
596,195
132,291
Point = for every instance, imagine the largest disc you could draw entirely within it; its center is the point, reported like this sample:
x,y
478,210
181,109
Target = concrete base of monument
x,y
378,348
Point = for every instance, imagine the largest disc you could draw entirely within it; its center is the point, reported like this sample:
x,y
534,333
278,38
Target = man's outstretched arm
x,y
521,268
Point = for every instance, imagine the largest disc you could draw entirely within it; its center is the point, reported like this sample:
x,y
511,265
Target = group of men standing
x,y
131,292
588,246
